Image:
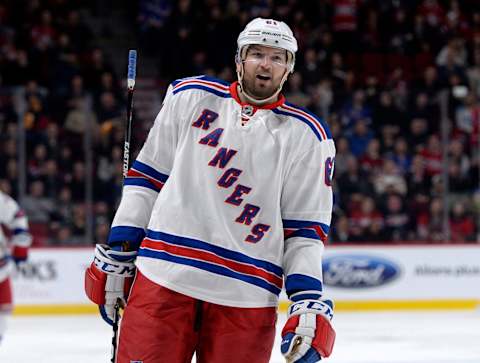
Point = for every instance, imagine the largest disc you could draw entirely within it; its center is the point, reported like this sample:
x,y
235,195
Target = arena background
x,y
398,82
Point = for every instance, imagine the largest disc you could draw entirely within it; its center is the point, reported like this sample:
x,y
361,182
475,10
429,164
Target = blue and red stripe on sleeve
x,y
143,175
308,229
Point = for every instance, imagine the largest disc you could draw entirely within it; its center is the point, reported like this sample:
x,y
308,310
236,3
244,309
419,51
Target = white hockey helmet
x,y
268,32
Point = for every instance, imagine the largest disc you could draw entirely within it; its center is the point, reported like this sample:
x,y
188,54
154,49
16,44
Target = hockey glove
x,y
20,242
109,278
19,254
308,335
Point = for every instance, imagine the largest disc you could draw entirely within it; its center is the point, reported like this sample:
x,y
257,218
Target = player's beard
x,y
258,89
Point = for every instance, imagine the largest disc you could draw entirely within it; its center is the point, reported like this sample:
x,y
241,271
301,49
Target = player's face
x,y
264,68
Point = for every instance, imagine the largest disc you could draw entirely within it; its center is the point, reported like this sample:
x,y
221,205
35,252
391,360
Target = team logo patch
x,y
248,110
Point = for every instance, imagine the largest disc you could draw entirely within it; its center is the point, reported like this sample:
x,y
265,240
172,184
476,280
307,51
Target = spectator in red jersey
x,y
462,225
371,161
363,217
433,13
345,23
432,156
43,34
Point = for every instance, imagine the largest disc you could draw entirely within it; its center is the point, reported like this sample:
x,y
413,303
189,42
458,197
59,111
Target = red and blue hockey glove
x,y
308,335
19,254
109,278
20,242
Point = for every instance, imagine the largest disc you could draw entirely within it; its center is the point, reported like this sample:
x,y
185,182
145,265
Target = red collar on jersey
x,y
268,106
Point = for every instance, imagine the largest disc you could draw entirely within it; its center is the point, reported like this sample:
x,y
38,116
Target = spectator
x,y
376,232
459,183
344,23
77,183
371,161
354,184
432,156
360,137
362,218
63,212
430,224
386,113
401,156
397,220
390,180
341,231
356,110
419,183
36,204
295,90
342,156
51,178
467,120
462,226
459,156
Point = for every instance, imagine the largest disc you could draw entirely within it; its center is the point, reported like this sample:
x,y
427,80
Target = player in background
x,y
12,218
229,199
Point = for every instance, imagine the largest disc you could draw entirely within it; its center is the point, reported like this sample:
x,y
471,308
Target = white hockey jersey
x,y
14,219
227,199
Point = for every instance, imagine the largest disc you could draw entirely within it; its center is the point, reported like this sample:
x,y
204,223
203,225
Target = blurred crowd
x,y
56,84
383,74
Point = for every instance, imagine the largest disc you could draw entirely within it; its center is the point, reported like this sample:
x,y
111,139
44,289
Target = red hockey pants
x,y
6,295
163,326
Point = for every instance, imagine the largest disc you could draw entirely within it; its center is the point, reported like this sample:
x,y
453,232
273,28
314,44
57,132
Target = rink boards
x,y
386,277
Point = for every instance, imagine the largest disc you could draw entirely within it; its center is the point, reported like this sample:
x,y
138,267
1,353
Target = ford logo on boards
x,y
358,271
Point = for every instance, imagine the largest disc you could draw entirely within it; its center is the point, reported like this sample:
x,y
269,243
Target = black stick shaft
x,y
128,133
132,65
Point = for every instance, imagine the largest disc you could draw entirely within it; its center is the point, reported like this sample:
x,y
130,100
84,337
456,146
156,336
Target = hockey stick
x,y
132,66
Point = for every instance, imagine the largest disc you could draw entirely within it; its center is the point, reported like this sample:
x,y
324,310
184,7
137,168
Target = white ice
x,y
406,337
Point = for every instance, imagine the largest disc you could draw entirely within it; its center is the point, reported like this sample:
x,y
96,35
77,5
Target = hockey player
x,y
14,220
229,199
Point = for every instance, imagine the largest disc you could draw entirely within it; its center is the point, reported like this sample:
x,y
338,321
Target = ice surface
x,y
407,337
